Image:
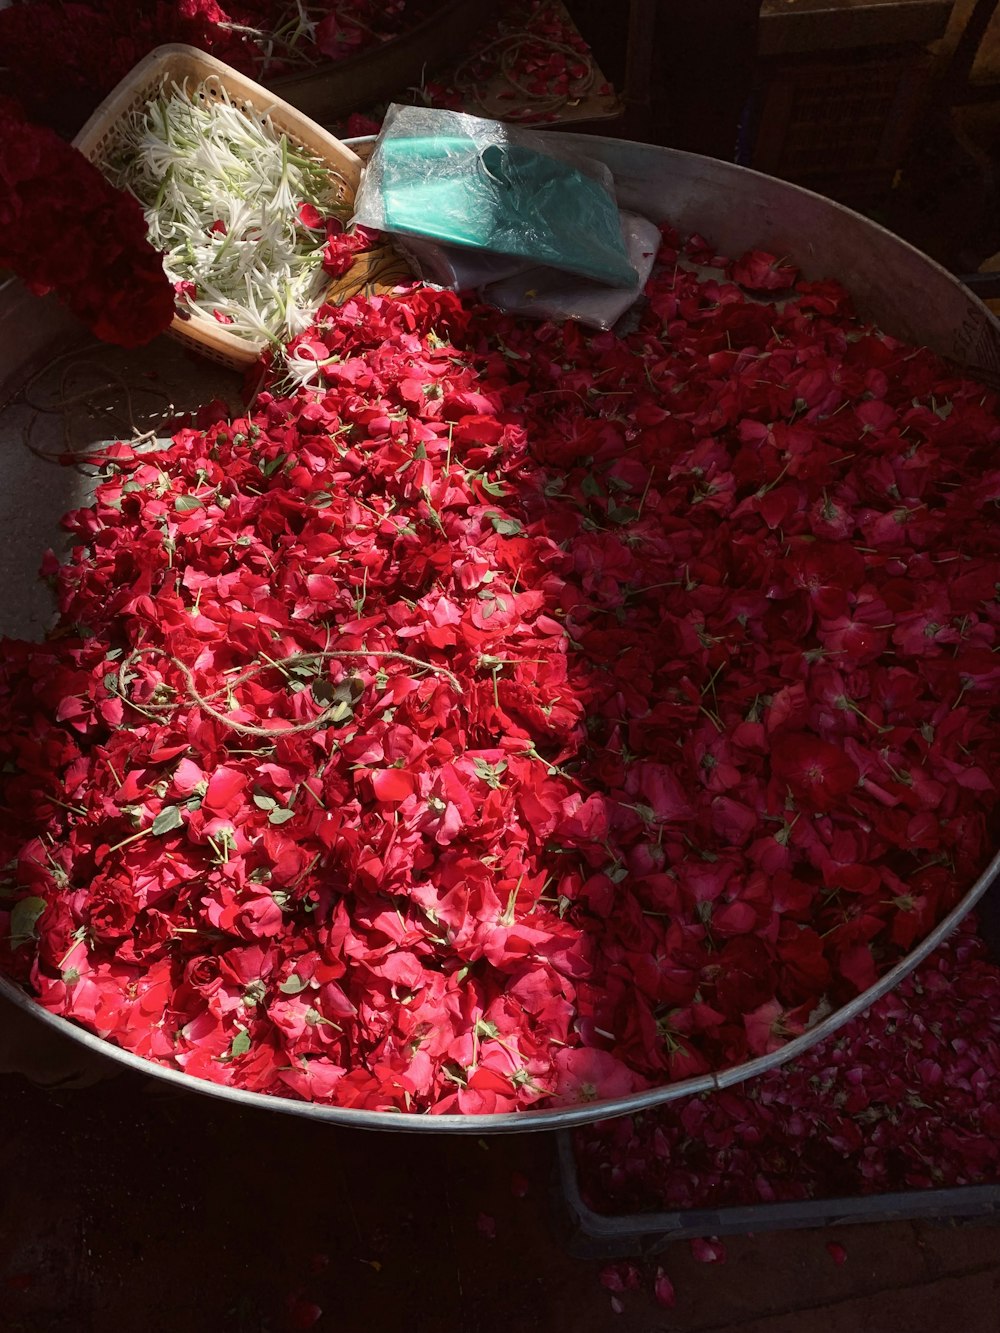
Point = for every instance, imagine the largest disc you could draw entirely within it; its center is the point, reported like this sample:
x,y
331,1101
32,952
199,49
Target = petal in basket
x,y
232,178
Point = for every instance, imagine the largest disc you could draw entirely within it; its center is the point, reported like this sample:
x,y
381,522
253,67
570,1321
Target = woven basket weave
x,y
186,64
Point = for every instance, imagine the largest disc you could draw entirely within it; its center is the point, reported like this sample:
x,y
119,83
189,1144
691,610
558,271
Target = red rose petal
x,y
708,1251
520,1186
310,216
393,784
663,1290
303,1313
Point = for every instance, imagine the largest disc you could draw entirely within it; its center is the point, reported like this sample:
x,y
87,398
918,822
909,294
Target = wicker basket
x,y
177,64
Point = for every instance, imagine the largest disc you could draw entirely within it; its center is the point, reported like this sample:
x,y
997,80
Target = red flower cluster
x,y
904,1097
342,245
514,714
61,59
63,228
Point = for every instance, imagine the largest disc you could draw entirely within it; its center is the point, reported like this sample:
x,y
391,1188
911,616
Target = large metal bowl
x,y
906,293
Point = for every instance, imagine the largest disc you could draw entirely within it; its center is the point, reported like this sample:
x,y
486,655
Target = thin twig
x,y
204,701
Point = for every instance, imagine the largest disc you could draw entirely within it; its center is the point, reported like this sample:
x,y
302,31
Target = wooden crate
x,y
839,126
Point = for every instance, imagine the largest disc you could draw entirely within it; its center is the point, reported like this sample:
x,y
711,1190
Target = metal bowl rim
x,y
566,1116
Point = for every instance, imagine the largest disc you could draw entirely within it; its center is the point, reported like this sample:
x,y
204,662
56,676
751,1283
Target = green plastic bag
x,y
480,184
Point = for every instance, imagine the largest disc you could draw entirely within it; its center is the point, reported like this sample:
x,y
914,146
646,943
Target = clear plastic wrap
x,y
484,185
545,293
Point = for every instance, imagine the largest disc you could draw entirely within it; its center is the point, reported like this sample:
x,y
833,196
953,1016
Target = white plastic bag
x,y
545,293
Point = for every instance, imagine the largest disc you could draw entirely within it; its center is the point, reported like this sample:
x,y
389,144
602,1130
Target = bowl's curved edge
x,y
686,181
555,1117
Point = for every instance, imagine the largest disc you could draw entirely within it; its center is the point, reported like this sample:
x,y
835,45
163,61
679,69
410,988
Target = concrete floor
x,y
124,1210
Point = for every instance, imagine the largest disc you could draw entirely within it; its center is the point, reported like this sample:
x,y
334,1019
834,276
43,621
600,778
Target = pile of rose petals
x,y
502,714
64,229
60,60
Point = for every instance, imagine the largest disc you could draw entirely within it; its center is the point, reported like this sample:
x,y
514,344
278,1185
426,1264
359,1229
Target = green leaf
x,y
590,487
622,514
507,527
496,488
343,692
241,1043
22,921
491,774
185,503
491,603
280,816
269,468
264,802
293,985
168,819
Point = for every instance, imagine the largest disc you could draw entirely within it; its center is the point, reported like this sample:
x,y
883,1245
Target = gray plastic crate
x,y
603,1236
612,1236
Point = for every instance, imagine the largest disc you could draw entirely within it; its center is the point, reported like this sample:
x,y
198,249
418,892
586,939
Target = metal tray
x,y
892,283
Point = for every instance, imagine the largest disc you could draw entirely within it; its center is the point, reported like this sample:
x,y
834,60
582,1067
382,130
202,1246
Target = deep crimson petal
x,y
817,772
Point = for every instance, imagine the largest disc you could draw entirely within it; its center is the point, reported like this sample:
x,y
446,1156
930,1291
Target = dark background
x,y
128,1208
